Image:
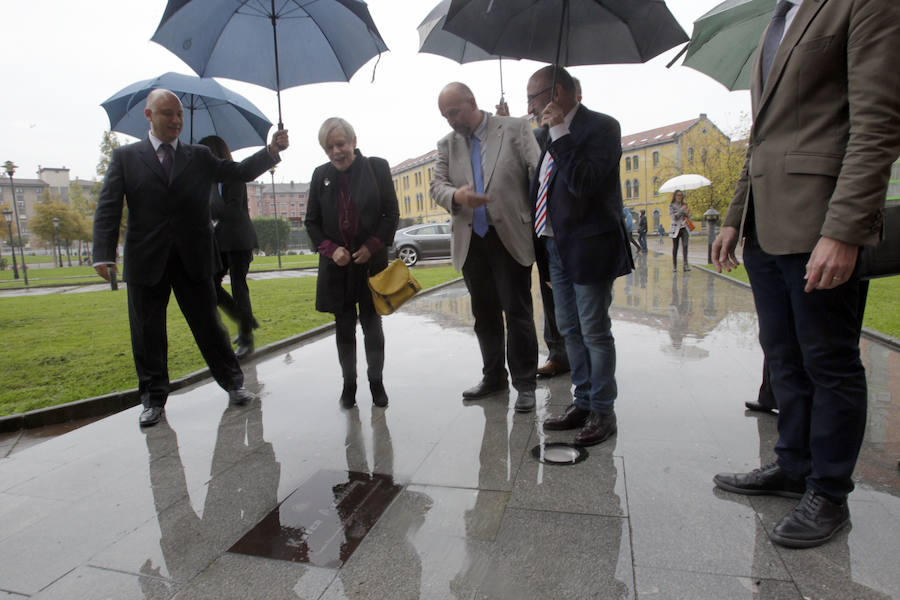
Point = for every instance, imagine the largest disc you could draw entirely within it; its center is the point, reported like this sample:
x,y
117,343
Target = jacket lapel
x,y
805,14
149,158
183,156
463,157
492,146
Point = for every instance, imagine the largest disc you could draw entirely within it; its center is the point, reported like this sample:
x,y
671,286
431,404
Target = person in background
x,y
236,239
351,218
679,212
642,231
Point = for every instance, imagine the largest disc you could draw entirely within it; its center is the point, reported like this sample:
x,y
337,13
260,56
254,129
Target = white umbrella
x,y
688,181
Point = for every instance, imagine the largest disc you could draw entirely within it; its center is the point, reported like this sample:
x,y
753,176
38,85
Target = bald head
x,y
457,104
165,113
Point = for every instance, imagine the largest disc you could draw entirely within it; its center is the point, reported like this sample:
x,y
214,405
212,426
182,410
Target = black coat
x,y
234,229
164,216
372,191
585,199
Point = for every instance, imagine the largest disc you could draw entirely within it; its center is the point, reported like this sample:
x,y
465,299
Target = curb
x,y
870,334
118,401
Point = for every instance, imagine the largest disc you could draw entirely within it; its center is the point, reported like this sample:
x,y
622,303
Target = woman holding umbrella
x,y
680,214
236,239
351,219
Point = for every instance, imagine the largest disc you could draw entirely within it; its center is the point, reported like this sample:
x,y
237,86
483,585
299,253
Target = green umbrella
x,y
724,40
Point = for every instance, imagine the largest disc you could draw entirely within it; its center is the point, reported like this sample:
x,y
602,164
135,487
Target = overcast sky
x,y
60,59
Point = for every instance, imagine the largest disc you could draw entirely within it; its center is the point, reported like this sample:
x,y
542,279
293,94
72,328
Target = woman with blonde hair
x,y
351,218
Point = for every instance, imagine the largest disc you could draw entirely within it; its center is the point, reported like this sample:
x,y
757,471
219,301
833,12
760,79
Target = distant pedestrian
x,y
680,213
642,231
661,231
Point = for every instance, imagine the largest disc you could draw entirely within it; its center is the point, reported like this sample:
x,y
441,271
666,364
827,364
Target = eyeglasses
x,y
535,96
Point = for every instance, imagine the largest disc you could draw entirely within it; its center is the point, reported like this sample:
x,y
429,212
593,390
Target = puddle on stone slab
x,y
559,453
323,521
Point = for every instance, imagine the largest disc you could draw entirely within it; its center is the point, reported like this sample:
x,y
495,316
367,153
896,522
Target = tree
x,y
84,204
265,233
71,224
109,143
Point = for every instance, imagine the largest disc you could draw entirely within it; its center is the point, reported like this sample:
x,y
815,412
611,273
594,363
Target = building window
x,y
634,162
628,163
420,203
656,159
406,182
635,189
690,156
628,189
407,205
703,156
656,218
656,186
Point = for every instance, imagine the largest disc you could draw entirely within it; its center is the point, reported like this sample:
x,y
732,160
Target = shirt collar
x,y
158,142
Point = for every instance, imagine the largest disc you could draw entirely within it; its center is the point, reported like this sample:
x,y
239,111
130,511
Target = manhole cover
x,y
559,453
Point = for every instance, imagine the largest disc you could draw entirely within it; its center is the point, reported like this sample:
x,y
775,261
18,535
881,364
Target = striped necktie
x,y
540,211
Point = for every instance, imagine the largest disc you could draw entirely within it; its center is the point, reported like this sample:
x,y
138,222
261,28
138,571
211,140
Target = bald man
x,y
168,245
483,170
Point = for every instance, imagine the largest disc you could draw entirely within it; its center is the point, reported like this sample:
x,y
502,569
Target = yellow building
x,y
651,157
412,182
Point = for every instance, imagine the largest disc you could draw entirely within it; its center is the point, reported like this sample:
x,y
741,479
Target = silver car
x,y
430,240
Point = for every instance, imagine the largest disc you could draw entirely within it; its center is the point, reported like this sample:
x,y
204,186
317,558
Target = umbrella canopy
x,y
724,40
568,32
317,40
688,181
434,39
210,109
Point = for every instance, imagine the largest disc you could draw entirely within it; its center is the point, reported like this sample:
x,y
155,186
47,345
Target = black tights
x,y
683,236
373,339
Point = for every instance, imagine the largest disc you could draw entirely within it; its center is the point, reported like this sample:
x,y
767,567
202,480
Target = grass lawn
x,y
60,348
882,304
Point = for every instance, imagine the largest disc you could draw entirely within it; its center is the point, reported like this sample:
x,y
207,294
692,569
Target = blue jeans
x,y
582,315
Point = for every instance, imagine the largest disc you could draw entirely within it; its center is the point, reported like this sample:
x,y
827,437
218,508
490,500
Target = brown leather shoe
x,y
551,368
573,418
597,428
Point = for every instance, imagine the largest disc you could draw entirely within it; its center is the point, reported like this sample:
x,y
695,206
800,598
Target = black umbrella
x,y
317,40
589,32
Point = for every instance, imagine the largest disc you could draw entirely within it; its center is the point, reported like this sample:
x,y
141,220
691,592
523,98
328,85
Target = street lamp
x,y
275,204
56,239
11,170
8,215
712,220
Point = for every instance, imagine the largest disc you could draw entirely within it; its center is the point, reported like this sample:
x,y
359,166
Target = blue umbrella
x,y
318,40
211,108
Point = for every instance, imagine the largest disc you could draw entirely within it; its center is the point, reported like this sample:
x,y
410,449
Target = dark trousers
x,y
811,346
499,285
237,304
556,343
147,315
683,236
373,339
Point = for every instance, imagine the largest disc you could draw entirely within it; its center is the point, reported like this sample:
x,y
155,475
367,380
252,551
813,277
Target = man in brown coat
x,y
826,129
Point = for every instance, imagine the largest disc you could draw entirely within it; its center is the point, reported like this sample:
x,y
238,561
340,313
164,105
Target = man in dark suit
x,y
481,178
826,129
579,216
168,245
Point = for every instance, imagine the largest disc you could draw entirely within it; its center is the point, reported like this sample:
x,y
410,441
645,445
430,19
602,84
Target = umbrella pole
x,y
277,73
500,62
562,22
192,118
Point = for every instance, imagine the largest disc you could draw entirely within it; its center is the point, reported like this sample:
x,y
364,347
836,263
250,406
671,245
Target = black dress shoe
x,y
244,349
768,480
348,396
573,418
240,396
757,407
151,415
379,396
485,388
813,522
525,401
598,427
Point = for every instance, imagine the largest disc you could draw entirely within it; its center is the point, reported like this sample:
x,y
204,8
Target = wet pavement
x,y
438,498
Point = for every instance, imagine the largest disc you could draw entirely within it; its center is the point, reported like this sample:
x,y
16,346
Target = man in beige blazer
x,y
484,167
826,129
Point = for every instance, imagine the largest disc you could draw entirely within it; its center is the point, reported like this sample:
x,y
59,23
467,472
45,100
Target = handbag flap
x,y
390,280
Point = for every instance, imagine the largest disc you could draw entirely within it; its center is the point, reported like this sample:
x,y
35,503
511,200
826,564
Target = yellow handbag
x,y
392,287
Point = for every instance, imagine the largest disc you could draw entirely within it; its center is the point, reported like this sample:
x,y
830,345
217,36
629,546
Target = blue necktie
x,y
479,218
773,37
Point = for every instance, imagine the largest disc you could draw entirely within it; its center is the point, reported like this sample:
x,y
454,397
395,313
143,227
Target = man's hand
x,y
465,196
103,270
362,255
502,108
830,264
723,249
279,142
341,257
552,115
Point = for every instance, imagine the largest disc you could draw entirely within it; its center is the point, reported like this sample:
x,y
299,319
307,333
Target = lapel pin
x,y
327,182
